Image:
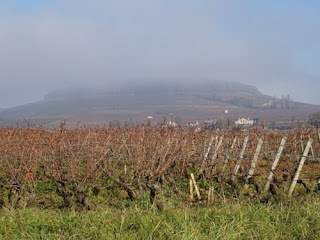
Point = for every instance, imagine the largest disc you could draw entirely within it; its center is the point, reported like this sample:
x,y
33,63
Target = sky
x,y
54,44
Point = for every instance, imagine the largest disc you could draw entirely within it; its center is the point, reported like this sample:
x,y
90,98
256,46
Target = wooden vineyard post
x,y
210,195
312,152
237,166
215,154
195,186
311,149
254,162
191,189
301,142
216,142
205,157
229,152
274,164
208,150
296,175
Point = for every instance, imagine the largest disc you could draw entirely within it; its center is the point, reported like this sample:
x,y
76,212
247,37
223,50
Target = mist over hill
x,y
197,100
160,87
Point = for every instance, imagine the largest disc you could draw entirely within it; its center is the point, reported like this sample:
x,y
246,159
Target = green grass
x,y
234,220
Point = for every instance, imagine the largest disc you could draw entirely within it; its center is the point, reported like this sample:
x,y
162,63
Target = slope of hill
x,y
189,102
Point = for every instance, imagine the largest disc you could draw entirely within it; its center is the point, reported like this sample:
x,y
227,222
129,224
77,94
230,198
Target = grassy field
x,y
233,220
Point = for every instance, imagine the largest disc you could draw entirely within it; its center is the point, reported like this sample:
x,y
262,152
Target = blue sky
x,y
51,44
29,6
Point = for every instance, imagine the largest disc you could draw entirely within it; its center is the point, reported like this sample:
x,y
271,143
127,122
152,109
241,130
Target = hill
x,y
135,103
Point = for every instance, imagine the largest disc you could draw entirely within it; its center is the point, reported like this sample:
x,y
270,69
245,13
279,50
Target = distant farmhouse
x,y
244,122
172,124
193,125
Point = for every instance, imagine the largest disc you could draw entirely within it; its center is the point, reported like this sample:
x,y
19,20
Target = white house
x,y
172,124
244,122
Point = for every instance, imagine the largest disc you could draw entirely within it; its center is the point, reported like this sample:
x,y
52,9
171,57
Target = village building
x,y
244,122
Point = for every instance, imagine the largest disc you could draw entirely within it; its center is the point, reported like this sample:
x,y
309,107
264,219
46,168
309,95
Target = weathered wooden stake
x,y
215,154
296,175
216,141
208,150
229,152
301,142
254,162
195,186
210,195
237,166
312,152
191,189
274,164
205,157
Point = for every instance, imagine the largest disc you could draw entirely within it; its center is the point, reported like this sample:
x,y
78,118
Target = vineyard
x,y
83,167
